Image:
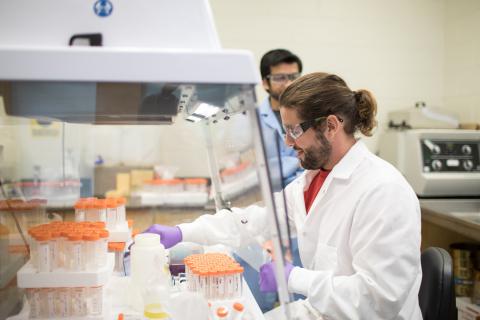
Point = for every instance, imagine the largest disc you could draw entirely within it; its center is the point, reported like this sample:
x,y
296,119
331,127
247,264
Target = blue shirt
x,y
275,148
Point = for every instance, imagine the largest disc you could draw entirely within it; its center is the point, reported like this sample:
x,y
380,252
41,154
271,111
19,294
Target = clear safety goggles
x,y
296,131
283,77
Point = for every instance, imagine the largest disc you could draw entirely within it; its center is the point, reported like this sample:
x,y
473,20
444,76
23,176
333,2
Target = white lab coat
x,y
359,243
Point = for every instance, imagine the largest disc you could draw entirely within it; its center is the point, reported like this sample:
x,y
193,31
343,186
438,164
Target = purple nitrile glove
x,y
169,236
267,281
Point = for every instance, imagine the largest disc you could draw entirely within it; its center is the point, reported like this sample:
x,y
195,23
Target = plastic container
x,y
196,185
94,301
463,267
121,210
43,252
91,213
62,303
174,185
63,248
118,248
145,254
33,298
111,214
55,250
101,207
80,210
91,256
102,247
144,251
75,252
156,295
78,302
47,298
215,276
33,247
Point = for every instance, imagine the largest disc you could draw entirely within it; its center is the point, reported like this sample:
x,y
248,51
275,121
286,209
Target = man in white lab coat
x,y
356,218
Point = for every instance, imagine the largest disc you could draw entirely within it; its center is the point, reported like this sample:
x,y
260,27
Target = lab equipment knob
x,y
436,149
468,165
466,149
436,165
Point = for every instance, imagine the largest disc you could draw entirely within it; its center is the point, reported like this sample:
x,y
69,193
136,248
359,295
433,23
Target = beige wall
x,y
393,48
462,58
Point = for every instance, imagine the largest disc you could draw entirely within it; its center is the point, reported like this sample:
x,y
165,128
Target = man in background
x,y
278,67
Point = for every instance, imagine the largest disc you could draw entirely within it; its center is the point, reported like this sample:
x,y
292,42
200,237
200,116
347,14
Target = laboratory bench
x,y
447,221
116,292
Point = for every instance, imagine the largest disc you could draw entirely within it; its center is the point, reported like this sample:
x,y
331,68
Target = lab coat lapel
x,y
269,117
343,170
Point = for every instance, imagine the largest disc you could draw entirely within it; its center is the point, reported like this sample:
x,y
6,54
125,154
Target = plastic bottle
x,y
156,295
144,253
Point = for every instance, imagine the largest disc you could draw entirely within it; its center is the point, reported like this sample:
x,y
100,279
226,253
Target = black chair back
x,y
437,294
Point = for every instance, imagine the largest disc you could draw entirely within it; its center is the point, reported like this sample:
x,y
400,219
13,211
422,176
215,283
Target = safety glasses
x,y
283,77
296,131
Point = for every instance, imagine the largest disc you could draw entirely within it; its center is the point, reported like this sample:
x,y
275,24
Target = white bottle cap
x,y
147,239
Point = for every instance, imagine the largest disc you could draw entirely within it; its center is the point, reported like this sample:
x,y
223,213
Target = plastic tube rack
x,y
215,275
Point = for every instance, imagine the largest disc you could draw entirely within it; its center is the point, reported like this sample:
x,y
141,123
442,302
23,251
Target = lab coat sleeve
x,y
385,247
234,228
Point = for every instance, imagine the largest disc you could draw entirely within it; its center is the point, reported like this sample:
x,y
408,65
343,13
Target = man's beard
x,y
316,157
274,95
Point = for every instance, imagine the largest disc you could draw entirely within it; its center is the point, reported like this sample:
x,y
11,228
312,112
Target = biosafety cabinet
x,y
129,106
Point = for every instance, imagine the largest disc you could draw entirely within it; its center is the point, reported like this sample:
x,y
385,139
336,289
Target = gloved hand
x,y
267,281
169,236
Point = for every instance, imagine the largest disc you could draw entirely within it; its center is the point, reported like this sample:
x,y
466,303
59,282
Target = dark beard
x,y
315,158
273,95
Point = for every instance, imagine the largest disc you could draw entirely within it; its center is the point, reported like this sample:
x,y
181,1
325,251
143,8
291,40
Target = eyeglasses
x,y
301,128
283,77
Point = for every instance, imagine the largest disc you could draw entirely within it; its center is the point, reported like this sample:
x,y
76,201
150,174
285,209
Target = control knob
x,y
436,165
466,149
468,165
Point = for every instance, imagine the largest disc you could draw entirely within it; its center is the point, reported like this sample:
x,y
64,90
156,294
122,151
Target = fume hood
x,y
122,89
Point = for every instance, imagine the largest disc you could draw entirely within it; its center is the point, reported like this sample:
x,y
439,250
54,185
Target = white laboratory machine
x,y
144,83
436,162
